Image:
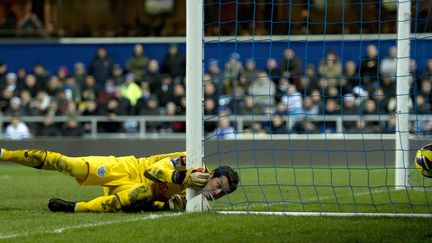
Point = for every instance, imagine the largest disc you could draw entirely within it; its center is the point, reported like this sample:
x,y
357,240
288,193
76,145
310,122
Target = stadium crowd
x,y
285,88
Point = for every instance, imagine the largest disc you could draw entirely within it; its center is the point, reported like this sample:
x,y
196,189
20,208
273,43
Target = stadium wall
x,y
309,49
282,152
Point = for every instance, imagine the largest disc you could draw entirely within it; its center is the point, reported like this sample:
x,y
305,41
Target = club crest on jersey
x,y
180,161
101,171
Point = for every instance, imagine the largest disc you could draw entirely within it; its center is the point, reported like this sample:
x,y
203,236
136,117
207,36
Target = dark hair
x,y
232,176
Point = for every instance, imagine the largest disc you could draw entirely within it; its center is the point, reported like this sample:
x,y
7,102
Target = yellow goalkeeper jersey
x,y
116,174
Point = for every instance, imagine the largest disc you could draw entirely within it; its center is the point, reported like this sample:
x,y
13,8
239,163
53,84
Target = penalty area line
x,y
82,226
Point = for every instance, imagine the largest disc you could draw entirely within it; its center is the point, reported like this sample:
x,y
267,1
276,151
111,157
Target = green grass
x,y
25,217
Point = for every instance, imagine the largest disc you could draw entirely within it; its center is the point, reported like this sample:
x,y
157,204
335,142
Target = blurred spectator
x,y
54,86
427,73
293,101
210,107
224,130
26,101
41,75
169,127
215,74
153,75
421,106
137,63
3,72
130,90
90,89
272,69
248,106
30,25
381,100
53,108
278,125
105,94
148,107
389,64
426,89
62,73
263,90
21,76
17,130
117,74
72,129
31,85
101,66
72,89
362,126
246,77
331,107
15,108
174,63
71,109
48,128
281,88
80,73
179,93
233,68
390,125
317,99
309,107
255,128
370,65
290,62
349,105
165,91
351,77
330,67
369,107
210,90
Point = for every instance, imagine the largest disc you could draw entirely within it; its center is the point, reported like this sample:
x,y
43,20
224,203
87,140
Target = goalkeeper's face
x,y
216,187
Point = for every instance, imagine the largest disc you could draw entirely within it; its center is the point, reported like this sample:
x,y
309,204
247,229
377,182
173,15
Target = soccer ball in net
x,y
423,160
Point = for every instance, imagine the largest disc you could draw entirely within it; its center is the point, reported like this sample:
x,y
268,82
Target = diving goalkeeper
x,y
130,184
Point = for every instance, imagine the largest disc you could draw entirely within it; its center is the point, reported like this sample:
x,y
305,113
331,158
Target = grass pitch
x,y
25,217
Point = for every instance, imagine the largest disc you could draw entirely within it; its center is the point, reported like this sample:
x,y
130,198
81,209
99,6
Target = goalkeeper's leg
x,y
123,200
40,159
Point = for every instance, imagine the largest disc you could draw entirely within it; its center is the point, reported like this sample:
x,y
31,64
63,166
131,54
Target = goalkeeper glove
x,y
196,178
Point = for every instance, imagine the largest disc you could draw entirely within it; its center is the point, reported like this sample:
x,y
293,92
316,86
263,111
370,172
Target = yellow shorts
x,y
112,171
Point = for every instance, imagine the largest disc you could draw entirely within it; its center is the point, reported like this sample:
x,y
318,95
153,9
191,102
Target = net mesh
x,y
300,98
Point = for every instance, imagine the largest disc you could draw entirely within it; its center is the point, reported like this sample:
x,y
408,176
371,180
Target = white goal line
x,y
330,214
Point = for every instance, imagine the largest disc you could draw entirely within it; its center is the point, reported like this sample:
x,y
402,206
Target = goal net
x,y
319,105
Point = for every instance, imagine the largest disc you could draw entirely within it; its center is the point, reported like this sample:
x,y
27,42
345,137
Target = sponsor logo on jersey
x,y
101,171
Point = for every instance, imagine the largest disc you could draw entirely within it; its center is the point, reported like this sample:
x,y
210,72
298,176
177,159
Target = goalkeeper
x,y
130,184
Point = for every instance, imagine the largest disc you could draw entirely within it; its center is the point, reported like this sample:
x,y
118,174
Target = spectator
x,y
362,126
330,67
273,70
101,66
426,89
278,125
421,106
153,75
137,64
165,92
210,90
148,107
293,101
174,63
30,25
263,90
369,107
309,107
281,88
48,128
179,93
317,99
130,90
41,75
72,109
331,107
117,75
54,86
72,89
350,106
390,125
248,106
381,100
80,73
90,89
62,73
224,129
72,129
169,127
255,128
427,73
290,62
351,77
3,72
370,65
53,108
26,102
210,108
215,74
31,85
17,130
15,108
233,68
246,78
389,64
21,76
